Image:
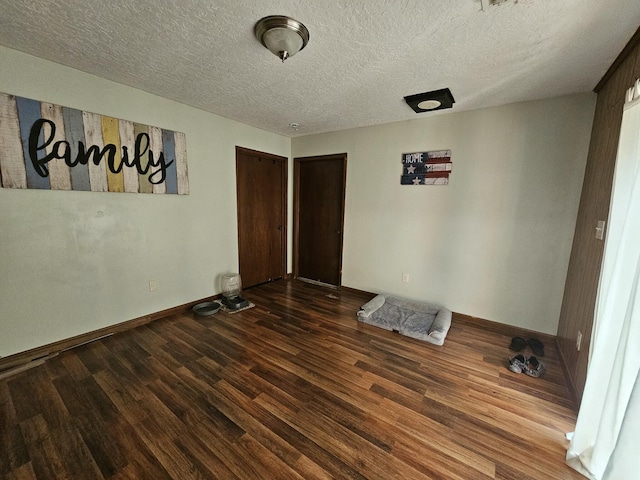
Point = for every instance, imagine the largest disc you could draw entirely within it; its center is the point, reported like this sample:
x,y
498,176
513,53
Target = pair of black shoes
x,y
520,364
518,344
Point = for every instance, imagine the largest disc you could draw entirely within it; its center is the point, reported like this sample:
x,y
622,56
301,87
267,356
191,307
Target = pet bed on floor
x,y
419,320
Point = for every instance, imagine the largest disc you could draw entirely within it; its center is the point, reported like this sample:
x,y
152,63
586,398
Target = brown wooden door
x,y
261,181
319,218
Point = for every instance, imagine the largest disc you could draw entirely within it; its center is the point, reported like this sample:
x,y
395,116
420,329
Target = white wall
x,y
73,262
495,242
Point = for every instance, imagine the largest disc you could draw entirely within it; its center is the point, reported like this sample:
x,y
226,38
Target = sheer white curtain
x,y
604,444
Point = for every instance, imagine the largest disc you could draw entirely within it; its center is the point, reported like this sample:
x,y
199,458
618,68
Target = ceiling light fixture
x,y
283,36
430,101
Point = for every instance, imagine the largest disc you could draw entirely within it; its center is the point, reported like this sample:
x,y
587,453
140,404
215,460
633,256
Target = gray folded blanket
x,y
419,320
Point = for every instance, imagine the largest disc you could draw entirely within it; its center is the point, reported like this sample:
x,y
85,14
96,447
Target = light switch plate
x,y
600,229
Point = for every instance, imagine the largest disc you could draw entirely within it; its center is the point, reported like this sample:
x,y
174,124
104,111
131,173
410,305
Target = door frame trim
x,y
285,167
296,207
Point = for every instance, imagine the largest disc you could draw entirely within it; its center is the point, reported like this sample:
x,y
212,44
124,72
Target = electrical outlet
x,y
578,340
153,285
405,278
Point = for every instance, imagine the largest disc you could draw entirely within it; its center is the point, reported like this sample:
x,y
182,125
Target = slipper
x,y
517,344
533,368
536,347
518,363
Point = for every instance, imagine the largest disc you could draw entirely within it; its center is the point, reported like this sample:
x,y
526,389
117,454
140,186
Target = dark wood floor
x,y
293,388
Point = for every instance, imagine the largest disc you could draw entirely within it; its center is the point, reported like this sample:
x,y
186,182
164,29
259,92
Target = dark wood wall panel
x,y
586,255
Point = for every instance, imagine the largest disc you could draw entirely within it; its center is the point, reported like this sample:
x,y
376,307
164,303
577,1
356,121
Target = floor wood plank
x,y
294,388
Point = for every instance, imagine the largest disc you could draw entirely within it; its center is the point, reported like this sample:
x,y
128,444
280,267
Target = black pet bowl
x,y
205,309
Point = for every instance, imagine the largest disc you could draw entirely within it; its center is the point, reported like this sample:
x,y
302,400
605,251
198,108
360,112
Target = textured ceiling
x,y
364,56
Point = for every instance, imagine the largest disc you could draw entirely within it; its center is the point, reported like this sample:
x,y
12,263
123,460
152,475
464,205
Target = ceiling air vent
x,y
484,3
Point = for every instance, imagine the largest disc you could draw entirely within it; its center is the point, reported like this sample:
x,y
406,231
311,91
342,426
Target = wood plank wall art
x,y
426,168
46,146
